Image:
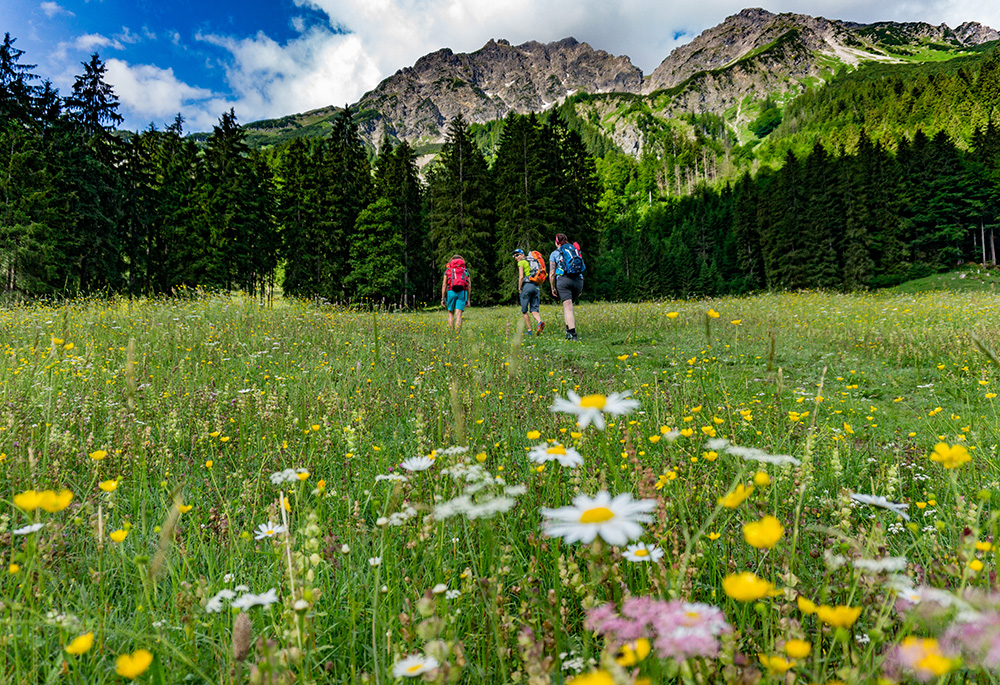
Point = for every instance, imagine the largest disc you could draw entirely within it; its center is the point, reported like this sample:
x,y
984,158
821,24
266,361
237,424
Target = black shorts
x,y
569,287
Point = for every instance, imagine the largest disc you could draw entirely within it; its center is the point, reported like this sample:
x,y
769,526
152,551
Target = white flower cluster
x,y
479,498
287,476
751,453
397,518
883,565
882,503
245,601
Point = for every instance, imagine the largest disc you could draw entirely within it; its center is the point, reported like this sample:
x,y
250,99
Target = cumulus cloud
x,y
53,9
316,69
152,94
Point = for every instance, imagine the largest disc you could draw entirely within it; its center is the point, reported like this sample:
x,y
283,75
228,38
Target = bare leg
x,y
458,320
527,322
568,314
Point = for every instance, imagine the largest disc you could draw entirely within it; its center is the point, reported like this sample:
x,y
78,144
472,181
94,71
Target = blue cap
x,y
517,251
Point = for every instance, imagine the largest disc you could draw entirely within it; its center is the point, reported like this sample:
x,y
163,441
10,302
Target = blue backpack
x,y
572,260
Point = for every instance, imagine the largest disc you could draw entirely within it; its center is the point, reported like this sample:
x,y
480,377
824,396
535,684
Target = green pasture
x,y
171,422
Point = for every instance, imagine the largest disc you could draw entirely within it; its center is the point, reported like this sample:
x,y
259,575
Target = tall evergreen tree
x,y
461,212
398,180
93,103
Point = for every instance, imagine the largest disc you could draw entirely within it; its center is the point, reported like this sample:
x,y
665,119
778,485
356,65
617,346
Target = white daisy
x,y
566,456
392,477
616,520
413,666
592,408
28,530
215,604
882,502
268,530
417,463
251,600
640,553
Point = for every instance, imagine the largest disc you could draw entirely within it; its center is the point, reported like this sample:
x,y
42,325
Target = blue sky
x,y
268,58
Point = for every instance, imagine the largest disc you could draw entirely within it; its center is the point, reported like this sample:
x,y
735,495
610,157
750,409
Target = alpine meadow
x,y
241,444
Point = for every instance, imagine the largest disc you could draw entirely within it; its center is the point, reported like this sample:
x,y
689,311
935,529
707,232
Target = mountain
x,y
417,103
739,74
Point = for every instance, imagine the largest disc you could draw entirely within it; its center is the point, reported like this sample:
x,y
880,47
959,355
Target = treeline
x,y
871,218
85,208
88,209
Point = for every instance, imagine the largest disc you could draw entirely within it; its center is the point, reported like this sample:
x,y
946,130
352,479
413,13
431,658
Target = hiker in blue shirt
x,y
566,266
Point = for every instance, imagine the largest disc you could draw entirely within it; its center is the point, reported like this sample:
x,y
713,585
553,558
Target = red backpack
x,y
456,275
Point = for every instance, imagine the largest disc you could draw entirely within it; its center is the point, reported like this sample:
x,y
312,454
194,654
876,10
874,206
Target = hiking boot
x,y
570,336
541,327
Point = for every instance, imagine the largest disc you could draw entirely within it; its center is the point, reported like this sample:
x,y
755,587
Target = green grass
x,y
968,279
198,402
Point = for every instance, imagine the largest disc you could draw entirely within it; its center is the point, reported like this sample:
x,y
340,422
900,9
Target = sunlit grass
x,y
221,454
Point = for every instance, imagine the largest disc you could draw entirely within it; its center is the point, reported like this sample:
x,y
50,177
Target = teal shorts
x,y
456,300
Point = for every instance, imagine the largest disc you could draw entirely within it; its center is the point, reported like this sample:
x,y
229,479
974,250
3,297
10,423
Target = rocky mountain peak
x,y
417,102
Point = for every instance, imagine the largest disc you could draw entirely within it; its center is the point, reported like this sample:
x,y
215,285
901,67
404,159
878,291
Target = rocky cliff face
x,y
418,102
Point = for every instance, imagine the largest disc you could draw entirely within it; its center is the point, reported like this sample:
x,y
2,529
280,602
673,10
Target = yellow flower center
x,y
414,668
556,449
641,552
593,401
597,515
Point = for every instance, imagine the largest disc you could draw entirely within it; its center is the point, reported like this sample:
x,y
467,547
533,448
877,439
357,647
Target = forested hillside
x,y
887,173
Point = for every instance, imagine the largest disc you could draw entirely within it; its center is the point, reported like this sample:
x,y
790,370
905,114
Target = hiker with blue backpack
x,y
530,274
567,267
456,291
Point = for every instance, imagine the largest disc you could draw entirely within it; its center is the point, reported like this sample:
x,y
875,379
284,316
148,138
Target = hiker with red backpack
x,y
530,274
567,267
456,289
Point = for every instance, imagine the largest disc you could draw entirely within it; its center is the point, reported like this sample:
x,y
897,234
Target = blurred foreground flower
x,y
413,666
81,644
566,456
679,630
133,665
881,502
592,408
950,457
616,520
921,657
746,586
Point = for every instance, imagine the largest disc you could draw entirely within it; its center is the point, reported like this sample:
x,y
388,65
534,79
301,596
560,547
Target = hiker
x,y
566,265
530,272
456,289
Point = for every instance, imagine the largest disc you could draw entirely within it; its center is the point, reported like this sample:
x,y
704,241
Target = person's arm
x,y
520,276
444,286
468,289
552,277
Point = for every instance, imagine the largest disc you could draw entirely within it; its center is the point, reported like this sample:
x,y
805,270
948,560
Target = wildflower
x,y
711,455
413,666
214,604
28,530
736,497
882,502
639,553
883,565
249,600
268,530
133,665
185,508
534,435
763,534
80,644
714,536
29,500
921,656
976,565
654,439
598,677
286,476
374,561
108,485
752,453
713,314
632,653
52,501
776,664
746,586
806,606
679,630
417,463
950,457
616,520
797,649
13,569
118,535
398,477
839,616
672,315
761,479
567,457
97,455
591,408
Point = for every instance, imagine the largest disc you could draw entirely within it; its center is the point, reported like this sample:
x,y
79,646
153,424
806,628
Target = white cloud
x,y
317,69
53,9
151,94
89,41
